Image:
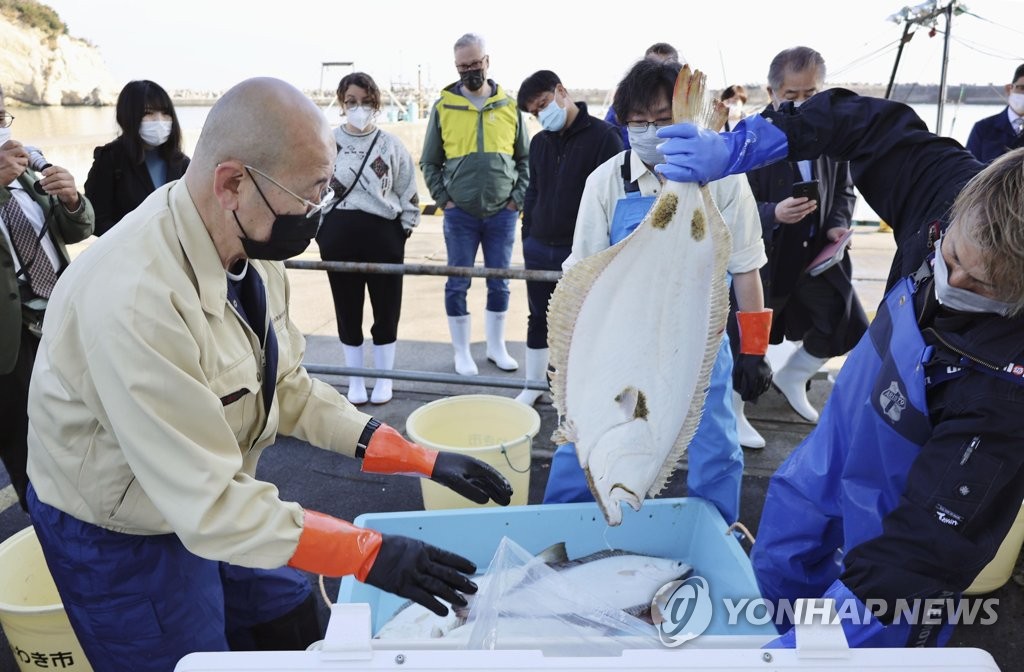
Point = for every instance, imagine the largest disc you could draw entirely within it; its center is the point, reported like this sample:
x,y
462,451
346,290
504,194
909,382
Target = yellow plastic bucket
x,y
997,572
31,612
495,430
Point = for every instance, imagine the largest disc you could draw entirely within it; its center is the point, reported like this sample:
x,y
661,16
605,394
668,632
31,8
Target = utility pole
x,y
926,14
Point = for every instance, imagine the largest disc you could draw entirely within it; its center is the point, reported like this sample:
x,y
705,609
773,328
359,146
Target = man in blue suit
x,y
995,135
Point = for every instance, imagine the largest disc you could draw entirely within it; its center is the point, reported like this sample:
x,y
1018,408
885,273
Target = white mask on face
x,y
956,298
360,117
155,133
735,110
5,135
645,144
1016,103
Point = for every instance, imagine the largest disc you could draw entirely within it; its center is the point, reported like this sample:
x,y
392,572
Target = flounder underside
x,y
633,332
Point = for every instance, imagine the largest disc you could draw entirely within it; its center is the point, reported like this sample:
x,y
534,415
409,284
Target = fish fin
x,y
601,555
690,101
641,611
718,314
554,554
563,309
564,433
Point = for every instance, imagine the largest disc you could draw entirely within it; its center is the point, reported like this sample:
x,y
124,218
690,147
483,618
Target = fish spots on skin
x,y
664,210
641,406
698,225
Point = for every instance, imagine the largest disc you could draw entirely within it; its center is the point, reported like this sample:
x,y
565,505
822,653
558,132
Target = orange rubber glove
x,y
406,567
755,328
388,452
751,374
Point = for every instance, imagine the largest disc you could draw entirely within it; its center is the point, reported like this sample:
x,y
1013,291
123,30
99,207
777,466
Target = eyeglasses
x,y
6,120
352,105
644,125
313,209
475,65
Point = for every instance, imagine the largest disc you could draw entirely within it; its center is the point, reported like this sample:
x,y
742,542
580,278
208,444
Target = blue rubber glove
x,y
694,154
860,626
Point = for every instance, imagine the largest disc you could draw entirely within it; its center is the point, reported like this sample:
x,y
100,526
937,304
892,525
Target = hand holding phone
x,y
808,189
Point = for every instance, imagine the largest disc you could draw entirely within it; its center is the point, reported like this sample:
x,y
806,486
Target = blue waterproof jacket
x,y
915,473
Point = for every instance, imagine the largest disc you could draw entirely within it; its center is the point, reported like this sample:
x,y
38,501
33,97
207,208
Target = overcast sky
x,y
213,44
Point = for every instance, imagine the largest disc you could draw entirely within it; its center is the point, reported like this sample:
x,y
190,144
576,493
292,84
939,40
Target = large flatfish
x,y
633,332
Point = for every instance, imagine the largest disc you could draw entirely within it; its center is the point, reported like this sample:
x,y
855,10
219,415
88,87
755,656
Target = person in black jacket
x,y
143,158
562,155
821,312
905,490
992,136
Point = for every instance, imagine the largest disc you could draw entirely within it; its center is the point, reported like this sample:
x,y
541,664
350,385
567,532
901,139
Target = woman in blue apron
x,y
715,459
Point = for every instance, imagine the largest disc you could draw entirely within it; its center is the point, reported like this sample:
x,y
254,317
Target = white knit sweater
x,y
387,185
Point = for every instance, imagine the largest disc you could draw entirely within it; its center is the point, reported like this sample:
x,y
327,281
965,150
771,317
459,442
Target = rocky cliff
x,y
43,66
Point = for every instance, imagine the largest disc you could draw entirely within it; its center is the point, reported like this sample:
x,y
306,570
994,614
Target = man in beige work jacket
x,y
168,363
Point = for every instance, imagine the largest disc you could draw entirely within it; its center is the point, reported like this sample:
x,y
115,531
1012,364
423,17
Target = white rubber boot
x,y
536,369
748,436
496,352
791,381
459,327
356,386
383,360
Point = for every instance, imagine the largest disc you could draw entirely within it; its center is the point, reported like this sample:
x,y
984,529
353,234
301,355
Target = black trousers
x,y
540,256
352,235
14,415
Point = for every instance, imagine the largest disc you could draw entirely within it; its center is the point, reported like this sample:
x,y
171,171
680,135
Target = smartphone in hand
x,y
808,189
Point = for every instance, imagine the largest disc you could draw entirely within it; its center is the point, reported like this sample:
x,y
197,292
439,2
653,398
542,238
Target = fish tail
x,y
690,101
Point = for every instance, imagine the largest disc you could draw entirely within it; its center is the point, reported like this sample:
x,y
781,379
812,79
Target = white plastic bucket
x,y
31,612
495,430
997,572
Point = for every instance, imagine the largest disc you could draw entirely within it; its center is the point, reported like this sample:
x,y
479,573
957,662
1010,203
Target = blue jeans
x,y
463,235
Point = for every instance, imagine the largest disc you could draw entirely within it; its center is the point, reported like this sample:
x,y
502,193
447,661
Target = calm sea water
x,y
68,135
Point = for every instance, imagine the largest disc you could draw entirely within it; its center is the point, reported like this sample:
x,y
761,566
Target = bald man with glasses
x,y
168,364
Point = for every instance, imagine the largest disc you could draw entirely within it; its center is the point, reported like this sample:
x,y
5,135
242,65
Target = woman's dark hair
x,y
643,86
539,82
138,98
363,81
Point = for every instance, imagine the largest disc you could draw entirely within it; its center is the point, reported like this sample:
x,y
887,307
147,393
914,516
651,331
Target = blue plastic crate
x,y
687,529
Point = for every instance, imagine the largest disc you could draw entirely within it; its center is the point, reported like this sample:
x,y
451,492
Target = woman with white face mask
x,y
146,156
734,97
376,210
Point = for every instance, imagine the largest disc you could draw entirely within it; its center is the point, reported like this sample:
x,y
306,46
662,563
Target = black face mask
x,y
472,79
290,235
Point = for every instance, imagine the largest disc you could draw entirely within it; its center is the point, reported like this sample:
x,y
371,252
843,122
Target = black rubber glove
x,y
751,376
471,478
422,573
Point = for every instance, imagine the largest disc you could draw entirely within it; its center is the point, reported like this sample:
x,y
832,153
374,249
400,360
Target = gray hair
x,y
470,40
797,59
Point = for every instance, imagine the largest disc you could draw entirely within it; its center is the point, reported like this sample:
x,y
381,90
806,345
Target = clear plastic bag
x,y
523,602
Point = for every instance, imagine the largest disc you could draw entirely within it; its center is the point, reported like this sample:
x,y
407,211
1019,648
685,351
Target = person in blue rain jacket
x,y
913,476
